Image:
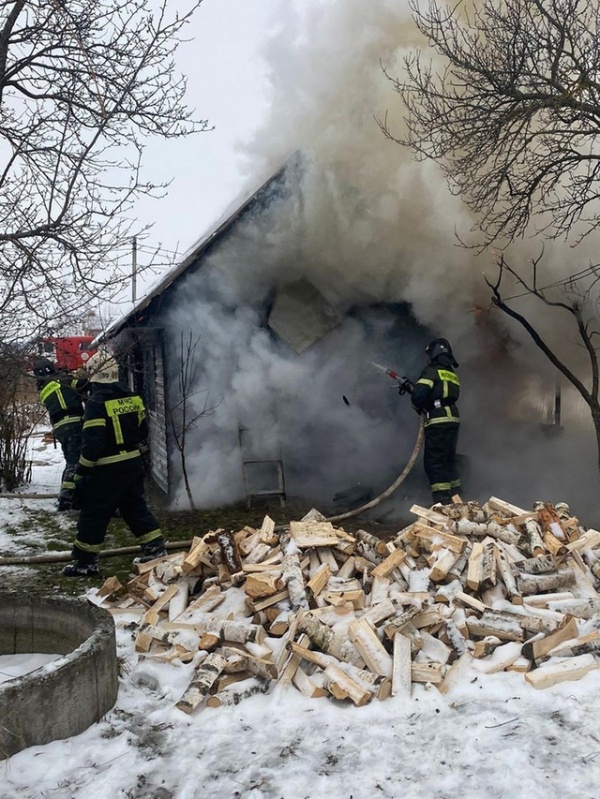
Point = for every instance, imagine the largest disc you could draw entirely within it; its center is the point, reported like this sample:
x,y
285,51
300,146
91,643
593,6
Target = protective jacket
x,y
114,424
436,392
63,397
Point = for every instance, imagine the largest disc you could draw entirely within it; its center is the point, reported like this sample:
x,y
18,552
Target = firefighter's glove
x,y
405,386
81,481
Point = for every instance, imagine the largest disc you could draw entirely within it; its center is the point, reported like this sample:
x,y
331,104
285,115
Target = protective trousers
x,y
106,489
69,438
439,460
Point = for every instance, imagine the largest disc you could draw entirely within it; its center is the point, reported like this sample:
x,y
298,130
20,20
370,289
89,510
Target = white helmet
x,y
102,368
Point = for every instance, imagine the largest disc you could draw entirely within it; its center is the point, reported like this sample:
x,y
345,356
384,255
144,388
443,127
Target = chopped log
x,y
506,629
503,657
533,538
586,644
327,641
456,673
357,693
542,600
507,577
553,544
486,646
460,564
204,678
455,637
200,553
444,562
370,647
544,564
348,568
227,697
306,686
389,564
505,507
581,608
356,598
209,641
432,516
489,528
263,584
398,624
280,596
475,566
427,673
379,590
267,533
209,600
258,553
151,616
380,612
488,564
430,617
571,669
401,668
326,556
444,539
294,581
230,556
536,650
109,587
319,580
313,534
537,583
229,630
372,541
179,601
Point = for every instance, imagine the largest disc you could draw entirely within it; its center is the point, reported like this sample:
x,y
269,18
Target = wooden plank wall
x,y
157,422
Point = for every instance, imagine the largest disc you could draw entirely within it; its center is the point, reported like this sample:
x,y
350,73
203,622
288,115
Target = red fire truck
x,y
67,352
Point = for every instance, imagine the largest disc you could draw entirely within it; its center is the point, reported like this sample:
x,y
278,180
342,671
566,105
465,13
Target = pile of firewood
x,y
465,587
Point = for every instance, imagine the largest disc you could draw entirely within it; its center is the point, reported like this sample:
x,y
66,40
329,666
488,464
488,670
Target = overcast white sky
x,y
228,85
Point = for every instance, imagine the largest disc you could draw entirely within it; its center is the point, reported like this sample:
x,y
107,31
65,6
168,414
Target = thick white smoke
x,y
371,228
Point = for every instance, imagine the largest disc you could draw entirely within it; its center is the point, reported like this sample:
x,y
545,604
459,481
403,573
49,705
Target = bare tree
x,y
512,114
84,84
577,297
185,412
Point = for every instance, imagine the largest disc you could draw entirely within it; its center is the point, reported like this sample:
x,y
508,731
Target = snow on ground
x,y
492,736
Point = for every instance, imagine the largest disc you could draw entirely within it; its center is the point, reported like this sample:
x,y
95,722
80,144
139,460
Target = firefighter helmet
x,y
42,367
439,346
102,368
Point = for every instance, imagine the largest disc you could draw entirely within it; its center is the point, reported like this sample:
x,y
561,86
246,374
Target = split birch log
x,y
581,608
294,581
460,564
204,678
397,625
237,631
292,663
374,683
357,693
491,528
267,533
370,648
537,583
319,580
230,556
456,673
545,564
587,644
233,696
306,686
401,666
327,641
571,669
475,566
389,564
507,577
372,541
313,534
486,646
533,538
263,584
503,657
179,601
457,640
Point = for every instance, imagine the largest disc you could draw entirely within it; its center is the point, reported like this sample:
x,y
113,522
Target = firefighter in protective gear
x,y
63,397
434,397
110,473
